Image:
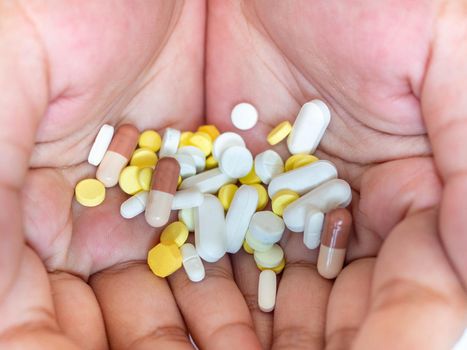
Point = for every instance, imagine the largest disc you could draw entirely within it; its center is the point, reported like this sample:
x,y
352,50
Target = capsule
x,y
164,186
334,239
118,154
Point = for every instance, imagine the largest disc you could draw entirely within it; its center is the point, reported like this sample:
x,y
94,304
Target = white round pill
x,y
187,164
270,258
266,227
236,162
197,154
244,116
268,164
224,141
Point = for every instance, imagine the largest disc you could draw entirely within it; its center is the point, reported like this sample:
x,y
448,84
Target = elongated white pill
x,y
309,127
268,164
170,142
100,145
207,182
187,216
192,263
184,199
314,221
266,227
224,141
267,290
134,205
236,161
197,154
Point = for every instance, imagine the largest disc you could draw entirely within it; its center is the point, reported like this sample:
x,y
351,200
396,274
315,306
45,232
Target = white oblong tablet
x,y
270,258
208,182
100,145
238,217
255,244
309,127
197,154
210,229
244,116
192,263
236,161
184,199
134,205
187,216
187,164
170,142
266,227
330,195
268,164
314,221
303,179
267,286
224,141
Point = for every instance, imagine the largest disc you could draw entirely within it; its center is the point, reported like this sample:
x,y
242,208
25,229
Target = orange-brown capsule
x,y
334,239
164,186
119,152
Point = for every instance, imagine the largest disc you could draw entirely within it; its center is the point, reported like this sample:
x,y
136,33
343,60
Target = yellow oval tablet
x,y
263,198
211,163
305,159
211,130
250,178
164,260
279,133
144,158
277,269
175,233
150,139
145,177
185,139
247,248
90,192
282,199
129,180
226,194
203,141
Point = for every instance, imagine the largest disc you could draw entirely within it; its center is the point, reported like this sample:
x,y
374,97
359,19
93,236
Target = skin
x,y
393,74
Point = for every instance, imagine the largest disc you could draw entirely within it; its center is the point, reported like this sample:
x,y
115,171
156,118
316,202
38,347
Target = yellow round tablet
x,y
179,180
211,163
250,178
290,161
175,233
263,198
164,260
226,194
277,269
150,139
145,177
279,133
144,158
247,248
211,130
90,192
203,141
129,180
282,199
185,139
304,160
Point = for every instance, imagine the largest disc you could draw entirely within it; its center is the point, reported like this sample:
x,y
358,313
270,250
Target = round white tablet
x,y
270,258
187,164
268,164
101,143
224,141
244,116
266,227
255,244
236,161
197,154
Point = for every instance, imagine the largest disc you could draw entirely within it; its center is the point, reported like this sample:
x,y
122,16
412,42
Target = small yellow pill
x,y
144,158
250,178
263,198
90,192
247,248
290,161
179,180
226,194
211,130
211,163
203,141
150,139
277,269
279,133
282,199
164,260
129,180
185,139
304,160
144,178
175,233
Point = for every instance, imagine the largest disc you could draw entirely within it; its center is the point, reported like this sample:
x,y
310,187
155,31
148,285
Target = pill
x,y
185,139
267,290
236,161
279,133
225,141
330,195
144,158
211,162
277,269
238,217
129,180
268,164
269,258
314,220
202,141
303,160
309,127
174,233
192,263
150,139
247,248
207,182
164,186
197,155
90,192
187,164
255,244
163,260
187,217
226,194
100,145
134,205
282,199
337,224
244,116
250,178
210,229
170,142
263,198
289,163
211,130
190,198
117,155
304,179
144,178
266,227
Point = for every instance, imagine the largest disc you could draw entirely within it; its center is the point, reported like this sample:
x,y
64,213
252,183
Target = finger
x,y
139,309
214,309
417,301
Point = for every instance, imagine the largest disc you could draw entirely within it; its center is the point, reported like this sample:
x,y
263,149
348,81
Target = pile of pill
x,y
229,198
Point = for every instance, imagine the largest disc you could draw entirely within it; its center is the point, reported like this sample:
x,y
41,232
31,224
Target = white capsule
x,y
255,244
314,221
270,258
266,227
184,199
267,286
100,145
303,179
224,141
268,164
238,217
244,116
210,229
207,182
309,127
330,195
187,164
236,161
170,142
192,263
187,216
197,154
134,205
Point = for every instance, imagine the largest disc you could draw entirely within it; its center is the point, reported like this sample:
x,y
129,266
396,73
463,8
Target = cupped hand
x,y
390,74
